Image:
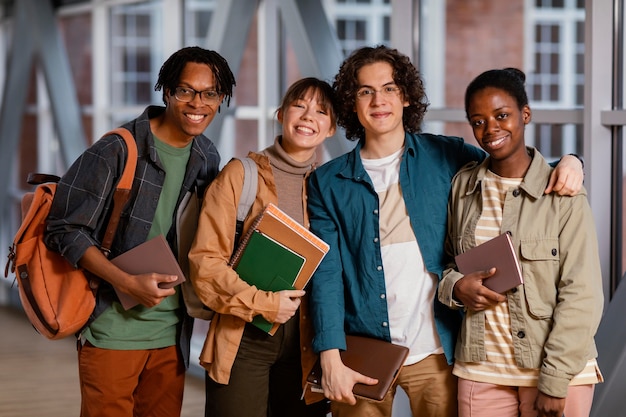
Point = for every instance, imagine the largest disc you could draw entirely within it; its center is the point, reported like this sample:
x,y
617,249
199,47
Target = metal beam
x,y
228,33
36,34
15,92
317,50
59,82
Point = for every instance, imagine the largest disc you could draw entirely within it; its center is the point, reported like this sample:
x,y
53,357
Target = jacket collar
x,y
353,168
534,182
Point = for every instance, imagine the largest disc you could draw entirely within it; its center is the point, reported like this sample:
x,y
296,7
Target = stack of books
x,y
277,253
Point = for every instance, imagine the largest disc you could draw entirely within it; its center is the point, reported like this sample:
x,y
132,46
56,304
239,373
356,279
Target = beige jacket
x,y
556,312
218,286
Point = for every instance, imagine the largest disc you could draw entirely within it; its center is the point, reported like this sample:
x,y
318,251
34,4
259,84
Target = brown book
x,y
371,357
499,253
153,255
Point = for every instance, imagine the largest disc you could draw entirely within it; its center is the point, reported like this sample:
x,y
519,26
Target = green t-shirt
x,y
141,327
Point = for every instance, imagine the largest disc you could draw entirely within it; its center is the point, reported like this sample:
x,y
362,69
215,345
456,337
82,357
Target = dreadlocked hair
x,y
169,75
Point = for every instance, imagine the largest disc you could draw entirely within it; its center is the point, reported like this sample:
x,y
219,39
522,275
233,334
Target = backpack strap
x,y
248,194
122,191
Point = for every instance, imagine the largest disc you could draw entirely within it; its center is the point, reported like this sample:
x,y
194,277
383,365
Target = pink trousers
x,y
479,399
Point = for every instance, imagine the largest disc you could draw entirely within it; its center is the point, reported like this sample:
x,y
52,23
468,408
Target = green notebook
x,y
269,266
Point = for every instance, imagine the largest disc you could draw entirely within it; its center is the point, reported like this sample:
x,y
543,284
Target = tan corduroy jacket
x,y
218,286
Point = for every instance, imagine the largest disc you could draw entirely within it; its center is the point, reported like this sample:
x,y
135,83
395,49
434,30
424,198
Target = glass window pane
x,y
197,16
135,55
359,23
545,39
76,31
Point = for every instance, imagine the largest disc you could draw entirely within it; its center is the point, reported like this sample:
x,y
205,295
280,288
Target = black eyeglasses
x,y
187,94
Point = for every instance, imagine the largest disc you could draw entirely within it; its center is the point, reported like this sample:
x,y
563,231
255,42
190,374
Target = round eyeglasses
x,y
188,94
366,93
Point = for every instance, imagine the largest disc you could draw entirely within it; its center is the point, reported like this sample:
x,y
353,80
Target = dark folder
x,y
153,255
499,253
371,357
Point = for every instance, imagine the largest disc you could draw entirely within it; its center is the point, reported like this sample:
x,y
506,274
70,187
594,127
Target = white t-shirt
x,y
410,288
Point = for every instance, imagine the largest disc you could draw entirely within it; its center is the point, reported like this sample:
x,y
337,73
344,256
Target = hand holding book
x,y
490,270
277,254
289,304
471,292
371,358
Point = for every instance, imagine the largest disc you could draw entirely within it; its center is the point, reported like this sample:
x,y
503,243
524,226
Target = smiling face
x,y
306,124
498,123
185,120
380,113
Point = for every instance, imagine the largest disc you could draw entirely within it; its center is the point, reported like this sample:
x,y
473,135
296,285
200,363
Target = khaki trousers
x,y
429,384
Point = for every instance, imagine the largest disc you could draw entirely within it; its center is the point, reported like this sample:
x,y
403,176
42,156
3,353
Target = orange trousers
x,y
130,383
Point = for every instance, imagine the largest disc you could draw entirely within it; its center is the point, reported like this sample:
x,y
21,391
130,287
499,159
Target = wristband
x,y
580,158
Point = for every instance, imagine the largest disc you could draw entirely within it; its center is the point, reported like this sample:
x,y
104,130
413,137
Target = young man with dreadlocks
x,y
132,362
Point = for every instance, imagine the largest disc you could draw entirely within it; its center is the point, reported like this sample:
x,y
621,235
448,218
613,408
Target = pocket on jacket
x,y
540,268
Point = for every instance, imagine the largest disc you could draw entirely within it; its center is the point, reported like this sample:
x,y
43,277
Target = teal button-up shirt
x,y
348,290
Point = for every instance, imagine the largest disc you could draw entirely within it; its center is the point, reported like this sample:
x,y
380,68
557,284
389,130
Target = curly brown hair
x,y
405,76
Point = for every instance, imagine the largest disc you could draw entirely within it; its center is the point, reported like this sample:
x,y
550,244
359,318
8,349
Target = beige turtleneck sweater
x,y
289,177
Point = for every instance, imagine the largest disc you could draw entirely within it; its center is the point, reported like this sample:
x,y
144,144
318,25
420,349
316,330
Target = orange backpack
x,y
57,298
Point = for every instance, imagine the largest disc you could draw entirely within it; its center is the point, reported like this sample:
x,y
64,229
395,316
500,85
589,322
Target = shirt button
x,y
304,348
379,268
516,192
375,239
383,296
376,211
521,334
554,252
385,324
